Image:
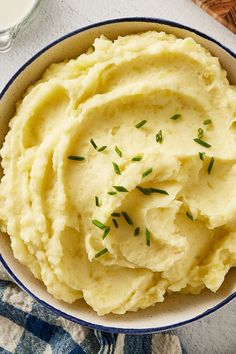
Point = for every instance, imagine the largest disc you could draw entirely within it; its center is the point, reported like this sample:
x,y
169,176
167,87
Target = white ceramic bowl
x,y
176,309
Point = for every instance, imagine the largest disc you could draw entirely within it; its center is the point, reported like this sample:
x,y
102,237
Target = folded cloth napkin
x,y
26,327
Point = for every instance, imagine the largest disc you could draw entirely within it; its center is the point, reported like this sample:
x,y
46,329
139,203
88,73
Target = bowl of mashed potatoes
x,y
118,147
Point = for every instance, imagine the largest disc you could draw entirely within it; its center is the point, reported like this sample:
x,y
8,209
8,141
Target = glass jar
x,y
16,23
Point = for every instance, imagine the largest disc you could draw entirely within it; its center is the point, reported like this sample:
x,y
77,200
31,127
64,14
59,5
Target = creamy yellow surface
x,y
48,200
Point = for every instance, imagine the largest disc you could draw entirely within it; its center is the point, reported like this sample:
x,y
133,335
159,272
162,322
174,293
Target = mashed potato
x,y
120,174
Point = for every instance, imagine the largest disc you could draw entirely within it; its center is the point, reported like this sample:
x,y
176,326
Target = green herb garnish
x,y
175,116
143,190
106,232
148,237
159,137
148,191
117,150
102,148
116,215
76,158
116,168
210,165
207,121
146,173
189,215
111,193
201,142
115,223
136,231
101,253
120,189
200,133
202,155
127,218
137,158
99,224
94,144
140,124
97,201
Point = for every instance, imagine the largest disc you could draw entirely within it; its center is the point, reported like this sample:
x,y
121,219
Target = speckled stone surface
x,y
215,334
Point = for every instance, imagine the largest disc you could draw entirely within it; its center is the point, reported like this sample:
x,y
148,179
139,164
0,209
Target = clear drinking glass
x,y
7,35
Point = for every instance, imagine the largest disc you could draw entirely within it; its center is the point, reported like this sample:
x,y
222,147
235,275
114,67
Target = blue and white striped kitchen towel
x,y
28,328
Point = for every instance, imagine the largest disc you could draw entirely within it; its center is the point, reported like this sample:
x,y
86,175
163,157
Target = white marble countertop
x,y
215,334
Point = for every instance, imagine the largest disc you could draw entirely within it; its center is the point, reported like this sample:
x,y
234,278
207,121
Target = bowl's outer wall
x,y
176,310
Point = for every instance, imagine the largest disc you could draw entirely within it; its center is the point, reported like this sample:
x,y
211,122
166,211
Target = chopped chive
x,y
120,189
94,144
101,253
76,158
156,190
200,133
189,215
116,168
148,237
102,148
106,232
136,231
117,150
146,173
111,193
148,191
201,142
210,165
116,215
140,124
159,137
127,218
143,190
207,121
175,116
137,158
202,155
99,224
97,201
115,223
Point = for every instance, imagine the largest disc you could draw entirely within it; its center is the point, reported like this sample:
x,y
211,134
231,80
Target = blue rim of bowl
x,y
7,268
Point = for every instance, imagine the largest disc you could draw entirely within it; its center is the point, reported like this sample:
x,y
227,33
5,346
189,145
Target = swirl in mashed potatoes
x,y
120,174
